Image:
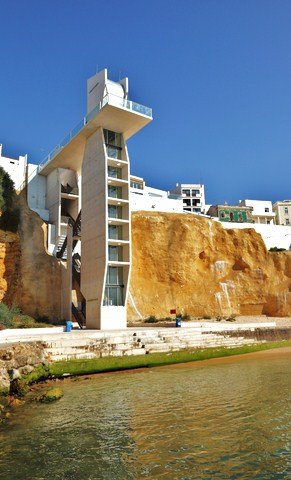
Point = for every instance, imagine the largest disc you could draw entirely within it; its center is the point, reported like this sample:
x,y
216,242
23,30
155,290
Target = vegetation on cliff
x,y
10,213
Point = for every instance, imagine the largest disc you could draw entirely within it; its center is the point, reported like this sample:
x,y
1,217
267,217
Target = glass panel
x,y
136,185
114,211
114,152
112,138
114,276
113,253
114,172
113,296
115,232
114,192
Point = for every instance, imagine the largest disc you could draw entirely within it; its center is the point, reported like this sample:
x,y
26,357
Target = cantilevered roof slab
x,y
116,114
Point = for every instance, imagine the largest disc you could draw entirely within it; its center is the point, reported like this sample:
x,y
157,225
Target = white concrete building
x,y
15,167
282,210
89,172
147,198
262,211
193,195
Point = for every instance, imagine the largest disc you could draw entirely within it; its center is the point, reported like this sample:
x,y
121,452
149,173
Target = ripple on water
x,y
212,421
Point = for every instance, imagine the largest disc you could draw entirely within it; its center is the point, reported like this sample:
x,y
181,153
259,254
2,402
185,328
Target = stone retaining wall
x,y
28,350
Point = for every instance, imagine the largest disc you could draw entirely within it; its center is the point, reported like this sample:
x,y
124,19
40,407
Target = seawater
x,y
213,420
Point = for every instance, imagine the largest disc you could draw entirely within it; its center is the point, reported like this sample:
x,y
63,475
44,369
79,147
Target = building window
x,y
287,221
114,211
221,214
286,210
186,192
114,253
186,209
231,216
195,193
113,295
187,202
137,185
114,192
239,217
112,138
113,144
114,172
267,210
115,232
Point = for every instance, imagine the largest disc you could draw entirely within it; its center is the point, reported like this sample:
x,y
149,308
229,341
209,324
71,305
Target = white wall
x,y
259,207
16,168
36,191
273,235
159,204
155,192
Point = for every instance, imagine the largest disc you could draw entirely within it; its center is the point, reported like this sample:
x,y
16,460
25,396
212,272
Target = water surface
x,y
213,420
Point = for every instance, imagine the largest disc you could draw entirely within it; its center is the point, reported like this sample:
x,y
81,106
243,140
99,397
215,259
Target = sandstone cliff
x,y
178,261
29,277
192,264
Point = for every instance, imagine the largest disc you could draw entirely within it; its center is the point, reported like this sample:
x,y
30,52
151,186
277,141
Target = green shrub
x,y
10,215
186,317
13,318
10,220
276,249
206,317
151,319
7,315
23,321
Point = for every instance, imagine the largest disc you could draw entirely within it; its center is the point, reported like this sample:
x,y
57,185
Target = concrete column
x,y
94,227
67,278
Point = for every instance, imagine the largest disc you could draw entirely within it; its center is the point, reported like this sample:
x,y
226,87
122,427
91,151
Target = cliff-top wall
x,y
193,264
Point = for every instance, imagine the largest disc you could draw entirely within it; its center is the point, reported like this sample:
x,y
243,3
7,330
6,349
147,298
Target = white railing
x,y
108,99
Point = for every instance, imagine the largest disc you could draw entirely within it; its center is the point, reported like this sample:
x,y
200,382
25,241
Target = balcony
x,y
113,100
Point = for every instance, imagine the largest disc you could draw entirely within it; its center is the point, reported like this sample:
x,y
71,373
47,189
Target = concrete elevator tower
x,y
105,183
81,189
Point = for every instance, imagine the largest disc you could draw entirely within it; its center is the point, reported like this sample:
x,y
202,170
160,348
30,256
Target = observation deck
x,y
112,113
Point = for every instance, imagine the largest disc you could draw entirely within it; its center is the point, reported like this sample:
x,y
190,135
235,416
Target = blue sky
x,y
217,74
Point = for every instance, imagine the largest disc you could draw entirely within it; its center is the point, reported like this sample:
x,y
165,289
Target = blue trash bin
x,y
178,321
69,326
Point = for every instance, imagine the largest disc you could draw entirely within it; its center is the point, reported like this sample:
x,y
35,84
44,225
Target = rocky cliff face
x,y
29,277
10,252
192,264
179,261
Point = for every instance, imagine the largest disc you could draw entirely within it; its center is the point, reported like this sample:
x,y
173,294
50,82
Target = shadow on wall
x,y
33,276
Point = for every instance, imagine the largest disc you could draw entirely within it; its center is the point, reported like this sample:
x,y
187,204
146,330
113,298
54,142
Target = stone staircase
x,y
88,344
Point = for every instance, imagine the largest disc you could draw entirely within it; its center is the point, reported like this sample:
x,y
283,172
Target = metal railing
x,y
108,99
76,224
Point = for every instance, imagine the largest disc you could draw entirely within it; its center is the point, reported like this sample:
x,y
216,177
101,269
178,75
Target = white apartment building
x,y
262,211
193,195
282,210
147,198
15,167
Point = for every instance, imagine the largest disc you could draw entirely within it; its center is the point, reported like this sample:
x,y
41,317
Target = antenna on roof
x,y
119,75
